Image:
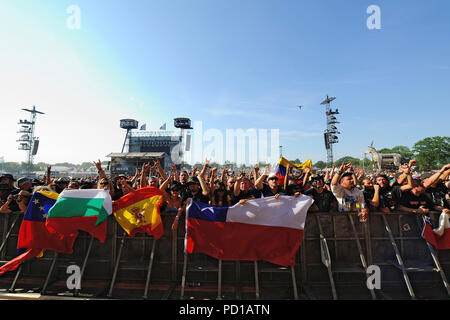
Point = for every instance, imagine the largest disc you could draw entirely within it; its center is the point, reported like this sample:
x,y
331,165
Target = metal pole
x,y
9,233
183,278
13,285
399,258
83,267
150,265
50,271
255,268
219,285
361,254
116,268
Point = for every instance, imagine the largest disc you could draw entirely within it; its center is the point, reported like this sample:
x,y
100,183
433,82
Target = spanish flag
x,y
297,171
138,212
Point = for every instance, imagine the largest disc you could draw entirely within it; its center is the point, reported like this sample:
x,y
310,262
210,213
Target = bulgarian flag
x,y
439,237
138,212
84,209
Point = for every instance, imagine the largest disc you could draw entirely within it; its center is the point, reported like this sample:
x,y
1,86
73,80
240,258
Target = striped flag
x,y
138,212
296,170
440,236
84,209
261,229
34,237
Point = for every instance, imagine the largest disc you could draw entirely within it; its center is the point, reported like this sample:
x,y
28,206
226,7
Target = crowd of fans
x,y
342,189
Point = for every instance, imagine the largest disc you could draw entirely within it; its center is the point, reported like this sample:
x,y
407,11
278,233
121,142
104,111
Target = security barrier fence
x,y
340,258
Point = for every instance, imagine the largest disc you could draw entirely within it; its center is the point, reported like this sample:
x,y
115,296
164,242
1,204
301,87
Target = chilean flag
x,y
260,229
439,238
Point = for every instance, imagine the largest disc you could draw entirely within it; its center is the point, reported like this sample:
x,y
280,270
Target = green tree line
x,y
430,153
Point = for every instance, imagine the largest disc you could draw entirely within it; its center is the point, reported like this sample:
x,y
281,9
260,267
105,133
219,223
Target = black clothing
x,y
437,195
250,194
267,192
323,200
414,202
198,197
390,197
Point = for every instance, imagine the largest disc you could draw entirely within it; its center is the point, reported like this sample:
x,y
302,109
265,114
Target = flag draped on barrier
x,y
440,236
138,212
261,229
85,209
33,234
297,170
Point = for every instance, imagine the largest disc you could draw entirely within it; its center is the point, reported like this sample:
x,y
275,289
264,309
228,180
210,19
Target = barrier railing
x,y
332,263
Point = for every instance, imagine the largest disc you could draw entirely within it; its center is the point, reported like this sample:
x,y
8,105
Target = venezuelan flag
x,y
138,212
298,170
34,235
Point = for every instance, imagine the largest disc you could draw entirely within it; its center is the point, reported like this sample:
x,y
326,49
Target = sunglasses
x,y
104,183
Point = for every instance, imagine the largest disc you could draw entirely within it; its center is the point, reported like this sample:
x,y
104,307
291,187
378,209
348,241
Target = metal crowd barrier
x,y
332,263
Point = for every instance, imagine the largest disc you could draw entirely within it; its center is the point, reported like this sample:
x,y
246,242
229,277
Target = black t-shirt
x,y
267,192
390,197
414,202
198,197
323,200
437,195
250,194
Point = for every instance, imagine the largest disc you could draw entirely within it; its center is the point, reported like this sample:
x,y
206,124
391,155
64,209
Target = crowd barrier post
x,y
116,267
361,253
50,271
399,257
326,259
83,267
16,277
149,272
435,257
8,234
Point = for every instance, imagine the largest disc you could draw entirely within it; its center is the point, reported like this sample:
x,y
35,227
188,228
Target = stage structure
x,y
330,134
27,140
143,146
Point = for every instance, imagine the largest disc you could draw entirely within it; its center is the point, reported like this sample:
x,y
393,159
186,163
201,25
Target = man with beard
x,y
436,190
242,190
324,200
346,193
271,188
415,200
389,195
197,190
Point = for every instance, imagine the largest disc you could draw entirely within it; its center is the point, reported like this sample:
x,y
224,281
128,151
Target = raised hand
x,y
98,165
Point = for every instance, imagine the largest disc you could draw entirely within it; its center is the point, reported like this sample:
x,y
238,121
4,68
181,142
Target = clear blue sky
x,y
230,64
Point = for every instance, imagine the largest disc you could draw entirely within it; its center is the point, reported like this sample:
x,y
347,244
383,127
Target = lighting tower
x,y
331,131
27,141
183,124
128,124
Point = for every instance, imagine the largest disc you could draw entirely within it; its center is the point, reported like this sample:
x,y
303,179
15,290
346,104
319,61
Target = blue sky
x,y
230,64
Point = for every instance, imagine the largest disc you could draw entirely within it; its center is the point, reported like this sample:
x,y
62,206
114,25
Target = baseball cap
x,y
22,181
8,175
272,176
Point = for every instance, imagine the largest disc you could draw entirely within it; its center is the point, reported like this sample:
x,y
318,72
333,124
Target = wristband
x,y
340,172
177,218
